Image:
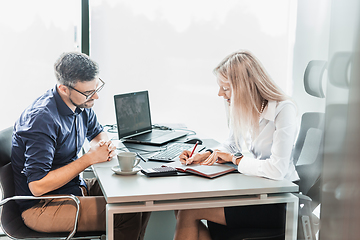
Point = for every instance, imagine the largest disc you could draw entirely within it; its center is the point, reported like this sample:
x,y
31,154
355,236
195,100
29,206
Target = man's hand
x,y
102,151
111,148
102,139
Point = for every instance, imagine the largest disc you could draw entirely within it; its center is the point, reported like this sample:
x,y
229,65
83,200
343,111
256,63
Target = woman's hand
x,y
219,157
197,158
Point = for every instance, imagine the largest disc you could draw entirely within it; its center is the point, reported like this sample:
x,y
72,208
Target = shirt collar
x,y
269,111
62,107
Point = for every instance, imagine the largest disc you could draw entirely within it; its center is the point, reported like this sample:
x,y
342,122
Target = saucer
x,y
116,169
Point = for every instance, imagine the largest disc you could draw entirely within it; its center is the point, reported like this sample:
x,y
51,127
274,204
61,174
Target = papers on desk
x,y
212,171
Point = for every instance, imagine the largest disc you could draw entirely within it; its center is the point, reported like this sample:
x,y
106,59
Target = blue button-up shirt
x,y
48,135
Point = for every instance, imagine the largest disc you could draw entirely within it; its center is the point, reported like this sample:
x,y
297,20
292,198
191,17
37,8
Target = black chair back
x,y
11,220
5,146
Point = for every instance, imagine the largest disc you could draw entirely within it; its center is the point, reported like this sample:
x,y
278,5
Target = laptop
x,y
134,120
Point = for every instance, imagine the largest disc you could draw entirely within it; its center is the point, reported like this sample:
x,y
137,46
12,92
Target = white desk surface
x,y
137,193
133,188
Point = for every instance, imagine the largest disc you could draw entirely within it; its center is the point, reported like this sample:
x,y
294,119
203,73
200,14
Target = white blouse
x,y
272,148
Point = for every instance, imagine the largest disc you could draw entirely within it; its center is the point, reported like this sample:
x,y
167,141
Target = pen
x,y
140,157
194,149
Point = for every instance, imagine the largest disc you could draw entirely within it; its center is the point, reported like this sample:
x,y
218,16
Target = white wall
x,y
33,35
171,47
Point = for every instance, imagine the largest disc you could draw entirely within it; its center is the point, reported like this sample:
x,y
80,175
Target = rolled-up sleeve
x,y
94,127
40,142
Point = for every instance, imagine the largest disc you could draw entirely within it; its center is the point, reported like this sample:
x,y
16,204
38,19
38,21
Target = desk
x,y
138,193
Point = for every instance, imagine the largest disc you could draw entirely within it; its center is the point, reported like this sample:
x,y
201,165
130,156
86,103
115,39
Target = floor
x,y
2,237
165,219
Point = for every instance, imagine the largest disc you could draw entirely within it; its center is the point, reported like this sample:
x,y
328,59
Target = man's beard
x,y
83,105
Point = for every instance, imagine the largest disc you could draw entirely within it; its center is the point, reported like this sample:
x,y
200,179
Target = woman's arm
x,y
277,165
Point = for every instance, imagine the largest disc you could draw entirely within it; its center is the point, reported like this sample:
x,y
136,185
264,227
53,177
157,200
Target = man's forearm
x,y
59,177
98,138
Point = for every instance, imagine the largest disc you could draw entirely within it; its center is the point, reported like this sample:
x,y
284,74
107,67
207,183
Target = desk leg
x,y
292,205
109,223
291,219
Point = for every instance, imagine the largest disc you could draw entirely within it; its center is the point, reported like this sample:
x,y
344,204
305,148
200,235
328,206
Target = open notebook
x,y
212,171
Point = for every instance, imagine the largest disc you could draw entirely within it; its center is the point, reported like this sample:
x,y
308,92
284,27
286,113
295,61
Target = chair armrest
x,y
302,197
306,225
72,197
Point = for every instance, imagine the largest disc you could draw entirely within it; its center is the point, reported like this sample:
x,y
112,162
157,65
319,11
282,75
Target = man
x,y
46,140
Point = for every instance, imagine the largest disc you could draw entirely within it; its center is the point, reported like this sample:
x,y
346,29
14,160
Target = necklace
x,y
263,104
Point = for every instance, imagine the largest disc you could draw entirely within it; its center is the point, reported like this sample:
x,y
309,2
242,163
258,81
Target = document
x,y
212,171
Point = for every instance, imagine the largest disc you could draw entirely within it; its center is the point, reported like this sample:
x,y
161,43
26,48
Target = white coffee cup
x,y
127,161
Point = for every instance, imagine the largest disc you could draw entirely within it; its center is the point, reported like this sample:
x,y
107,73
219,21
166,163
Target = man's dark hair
x,y
75,67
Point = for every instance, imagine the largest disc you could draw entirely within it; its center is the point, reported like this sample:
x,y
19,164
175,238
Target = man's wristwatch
x,y
236,156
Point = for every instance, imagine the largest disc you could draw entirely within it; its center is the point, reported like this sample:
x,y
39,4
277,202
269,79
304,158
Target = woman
x,y
263,119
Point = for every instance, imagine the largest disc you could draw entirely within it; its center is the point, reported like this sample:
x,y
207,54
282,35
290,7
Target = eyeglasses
x,y
90,95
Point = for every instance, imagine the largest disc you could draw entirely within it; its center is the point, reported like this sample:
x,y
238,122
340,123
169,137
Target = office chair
x,y
308,154
11,220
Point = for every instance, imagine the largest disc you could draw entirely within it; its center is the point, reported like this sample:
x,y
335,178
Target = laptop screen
x,y
132,113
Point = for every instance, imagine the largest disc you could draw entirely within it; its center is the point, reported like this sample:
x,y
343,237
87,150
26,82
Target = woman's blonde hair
x,y
251,85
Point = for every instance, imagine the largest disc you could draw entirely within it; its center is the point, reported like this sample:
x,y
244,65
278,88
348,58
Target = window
x,y
171,47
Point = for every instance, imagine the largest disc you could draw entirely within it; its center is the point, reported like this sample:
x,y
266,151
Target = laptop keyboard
x,y
172,151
